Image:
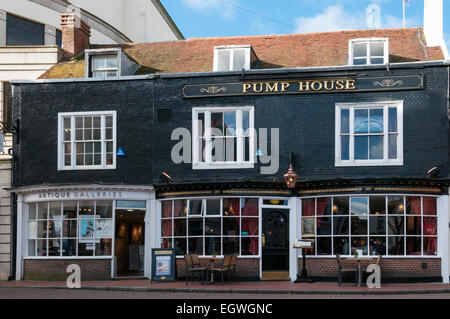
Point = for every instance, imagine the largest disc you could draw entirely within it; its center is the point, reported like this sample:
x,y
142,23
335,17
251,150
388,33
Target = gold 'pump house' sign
x,y
305,86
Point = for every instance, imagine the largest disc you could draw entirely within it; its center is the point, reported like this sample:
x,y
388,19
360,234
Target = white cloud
x,y
336,18
212,7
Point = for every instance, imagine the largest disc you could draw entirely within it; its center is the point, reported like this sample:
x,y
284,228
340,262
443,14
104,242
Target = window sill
x,y
223,166
86,168
368,163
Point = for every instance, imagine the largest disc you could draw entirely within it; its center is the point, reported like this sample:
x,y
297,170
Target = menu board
x,y
163,264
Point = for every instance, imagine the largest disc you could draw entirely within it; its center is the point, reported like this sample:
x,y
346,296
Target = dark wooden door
x,y
275,229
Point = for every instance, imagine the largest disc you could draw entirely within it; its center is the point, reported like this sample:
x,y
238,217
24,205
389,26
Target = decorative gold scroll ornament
x,y
214,90
388,83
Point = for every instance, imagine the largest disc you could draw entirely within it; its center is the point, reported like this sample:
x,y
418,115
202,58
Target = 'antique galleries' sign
x,y
304,86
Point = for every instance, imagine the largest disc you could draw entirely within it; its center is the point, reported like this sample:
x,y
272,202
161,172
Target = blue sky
x,y
208,18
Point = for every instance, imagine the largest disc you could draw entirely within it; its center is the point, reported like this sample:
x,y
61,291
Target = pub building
x,y
185,145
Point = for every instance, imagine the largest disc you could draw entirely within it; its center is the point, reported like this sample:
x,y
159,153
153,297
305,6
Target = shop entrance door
x,y
275,243
129,242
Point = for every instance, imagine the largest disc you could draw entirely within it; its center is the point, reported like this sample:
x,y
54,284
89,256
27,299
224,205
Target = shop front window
x,y
207,226
70,228
371,225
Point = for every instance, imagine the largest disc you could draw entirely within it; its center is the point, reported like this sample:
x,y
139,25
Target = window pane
x,y
246,122
166,209
324,226
360,61
393,146
345,148
196,245
230,123
377,49
377,61
231,207
239,59
341,246
223,60
179,227
393,120
23,32
55,227
376,121
396,225
413,246
249,207
413,225
180,208
86,208
359,225
213,245
361,147
86,248
360,50
376,147
360,245
323,206
231,226
324,246
32,248
166,228
396,205
377,225
42,210
249,246
213,227
103,209
103,248
340,205
69,228
429,226
308,207
217,124
430,246
250,226
195,227
359,206
55,209
413,205
345,121
377,246
429,205
377,205
42,229
32,211
41,247
195,207
180,246
340,225
230,245
361,121
213,207
111,62
166,243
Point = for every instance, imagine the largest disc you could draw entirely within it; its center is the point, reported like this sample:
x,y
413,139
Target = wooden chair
x,y
191,269
195,260
232,268
342,270
224,266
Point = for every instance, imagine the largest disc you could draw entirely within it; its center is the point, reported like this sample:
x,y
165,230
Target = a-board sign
x,y
163,264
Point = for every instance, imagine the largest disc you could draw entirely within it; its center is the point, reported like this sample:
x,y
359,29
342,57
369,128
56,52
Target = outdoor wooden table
x,y
358,260
212,261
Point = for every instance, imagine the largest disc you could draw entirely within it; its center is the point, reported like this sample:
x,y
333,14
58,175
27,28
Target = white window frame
x,y
369,162
209,164
96,53
72,115
368,41
232,49
103,56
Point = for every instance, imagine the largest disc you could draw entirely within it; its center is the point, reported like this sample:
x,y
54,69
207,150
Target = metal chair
x,y
191,269
224,266
342,270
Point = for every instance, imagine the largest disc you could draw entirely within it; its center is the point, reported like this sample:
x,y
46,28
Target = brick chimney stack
x,y
75,35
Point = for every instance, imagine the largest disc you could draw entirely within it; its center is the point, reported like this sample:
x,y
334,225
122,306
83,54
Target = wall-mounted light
x,y
291,177
166,177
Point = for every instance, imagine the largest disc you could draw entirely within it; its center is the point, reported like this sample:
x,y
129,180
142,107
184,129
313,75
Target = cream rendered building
x,y
30,43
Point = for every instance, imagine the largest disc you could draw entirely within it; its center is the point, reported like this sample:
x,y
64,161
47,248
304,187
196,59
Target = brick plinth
x,y
55,270
246,268
390,267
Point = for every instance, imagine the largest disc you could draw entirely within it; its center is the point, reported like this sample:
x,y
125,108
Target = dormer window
x,y
233,58
373,51
104,66
104,63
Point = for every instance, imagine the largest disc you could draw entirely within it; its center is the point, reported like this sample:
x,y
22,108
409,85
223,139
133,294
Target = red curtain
x,y
308,207
167,228
167,209
413,206
251,225
250,207
429,206
321,206
429,226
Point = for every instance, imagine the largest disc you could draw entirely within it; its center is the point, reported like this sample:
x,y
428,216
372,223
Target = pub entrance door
x,y
275,244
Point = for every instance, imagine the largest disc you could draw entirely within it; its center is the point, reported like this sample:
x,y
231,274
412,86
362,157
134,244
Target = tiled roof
x,y
273,51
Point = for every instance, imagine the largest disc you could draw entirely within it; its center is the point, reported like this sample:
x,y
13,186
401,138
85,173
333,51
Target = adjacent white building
x,y
30,44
